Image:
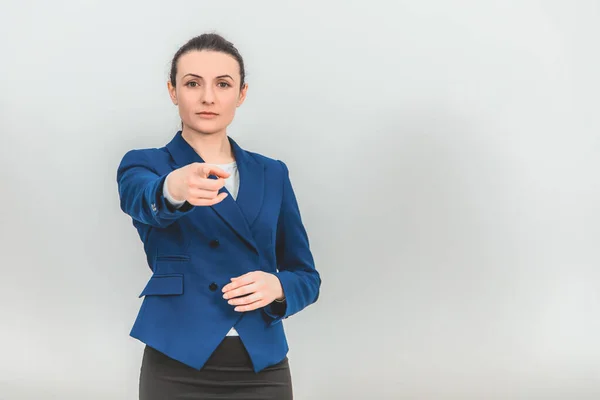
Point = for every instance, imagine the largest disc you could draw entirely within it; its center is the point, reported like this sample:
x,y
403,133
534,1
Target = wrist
x,y
172,191
280,297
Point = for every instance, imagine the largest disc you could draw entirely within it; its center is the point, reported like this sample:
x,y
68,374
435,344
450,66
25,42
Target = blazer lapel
x,y
229,211
252,183
237,214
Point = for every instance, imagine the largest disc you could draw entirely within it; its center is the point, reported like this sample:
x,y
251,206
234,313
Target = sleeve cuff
x,y
162,207
172,202
276,310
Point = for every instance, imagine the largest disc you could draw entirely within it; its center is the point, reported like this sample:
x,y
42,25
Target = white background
x,y
444,154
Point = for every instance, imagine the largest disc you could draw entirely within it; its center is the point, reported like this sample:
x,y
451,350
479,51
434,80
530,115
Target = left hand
x,y
258,289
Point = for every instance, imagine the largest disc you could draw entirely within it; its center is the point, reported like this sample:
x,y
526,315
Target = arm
x,y
299,279
141,192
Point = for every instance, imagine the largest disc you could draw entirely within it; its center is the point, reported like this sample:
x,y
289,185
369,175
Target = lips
x,y
207,113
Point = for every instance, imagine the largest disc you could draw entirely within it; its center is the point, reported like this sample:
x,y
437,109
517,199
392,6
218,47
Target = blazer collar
x,y
241,213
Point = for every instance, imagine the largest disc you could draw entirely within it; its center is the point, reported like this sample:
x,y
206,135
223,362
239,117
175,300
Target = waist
x,y
229,355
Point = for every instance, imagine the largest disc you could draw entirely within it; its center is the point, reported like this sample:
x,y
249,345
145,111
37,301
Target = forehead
x,y
207,64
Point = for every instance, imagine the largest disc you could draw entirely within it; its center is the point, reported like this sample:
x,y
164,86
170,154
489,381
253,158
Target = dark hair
x,y
209,42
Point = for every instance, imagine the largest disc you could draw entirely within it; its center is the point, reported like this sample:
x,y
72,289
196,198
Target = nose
x,y
208,95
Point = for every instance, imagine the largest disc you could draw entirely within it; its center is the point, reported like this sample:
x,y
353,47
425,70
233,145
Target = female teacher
x,y
223,236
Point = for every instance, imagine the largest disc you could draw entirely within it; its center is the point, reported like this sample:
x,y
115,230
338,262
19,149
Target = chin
x,y
207,129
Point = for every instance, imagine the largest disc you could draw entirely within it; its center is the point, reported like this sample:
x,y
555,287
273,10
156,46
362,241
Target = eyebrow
x,y
218,77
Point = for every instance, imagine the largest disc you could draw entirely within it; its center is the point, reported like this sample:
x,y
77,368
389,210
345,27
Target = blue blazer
x,y
194,251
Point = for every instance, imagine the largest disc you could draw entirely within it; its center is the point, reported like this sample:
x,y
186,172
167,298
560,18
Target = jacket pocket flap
x,y
167,284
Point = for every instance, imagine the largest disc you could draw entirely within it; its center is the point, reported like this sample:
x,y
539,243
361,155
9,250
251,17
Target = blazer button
x,y
213,286
214,244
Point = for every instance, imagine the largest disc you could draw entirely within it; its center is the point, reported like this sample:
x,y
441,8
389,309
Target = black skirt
x,y
227,374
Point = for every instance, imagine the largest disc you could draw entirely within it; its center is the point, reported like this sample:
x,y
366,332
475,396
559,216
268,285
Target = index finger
x,y
205,170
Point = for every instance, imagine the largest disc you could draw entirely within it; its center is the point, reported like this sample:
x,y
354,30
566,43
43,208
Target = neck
x,y
213,148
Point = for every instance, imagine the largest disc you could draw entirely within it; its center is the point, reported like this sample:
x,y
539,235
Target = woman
x,y
224,239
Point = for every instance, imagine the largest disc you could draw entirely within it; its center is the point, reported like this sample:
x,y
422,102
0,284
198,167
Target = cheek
x,y
230,105
185,102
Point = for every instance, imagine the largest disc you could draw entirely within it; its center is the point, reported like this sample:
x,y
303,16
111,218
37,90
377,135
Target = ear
x,y
242,94
172,92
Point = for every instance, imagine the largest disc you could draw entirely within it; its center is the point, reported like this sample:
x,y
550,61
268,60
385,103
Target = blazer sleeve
x,y
141,191
299,278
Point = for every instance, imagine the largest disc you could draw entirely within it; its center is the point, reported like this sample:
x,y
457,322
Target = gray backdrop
x,y
444,154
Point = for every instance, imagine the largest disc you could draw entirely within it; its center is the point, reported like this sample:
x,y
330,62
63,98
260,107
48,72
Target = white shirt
x,y
232,184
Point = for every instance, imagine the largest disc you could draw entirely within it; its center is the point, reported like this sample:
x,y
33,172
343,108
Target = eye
x,y
192,84
223,84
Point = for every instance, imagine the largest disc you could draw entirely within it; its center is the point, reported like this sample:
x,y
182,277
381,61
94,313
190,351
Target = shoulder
x,y
269,163
147,157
